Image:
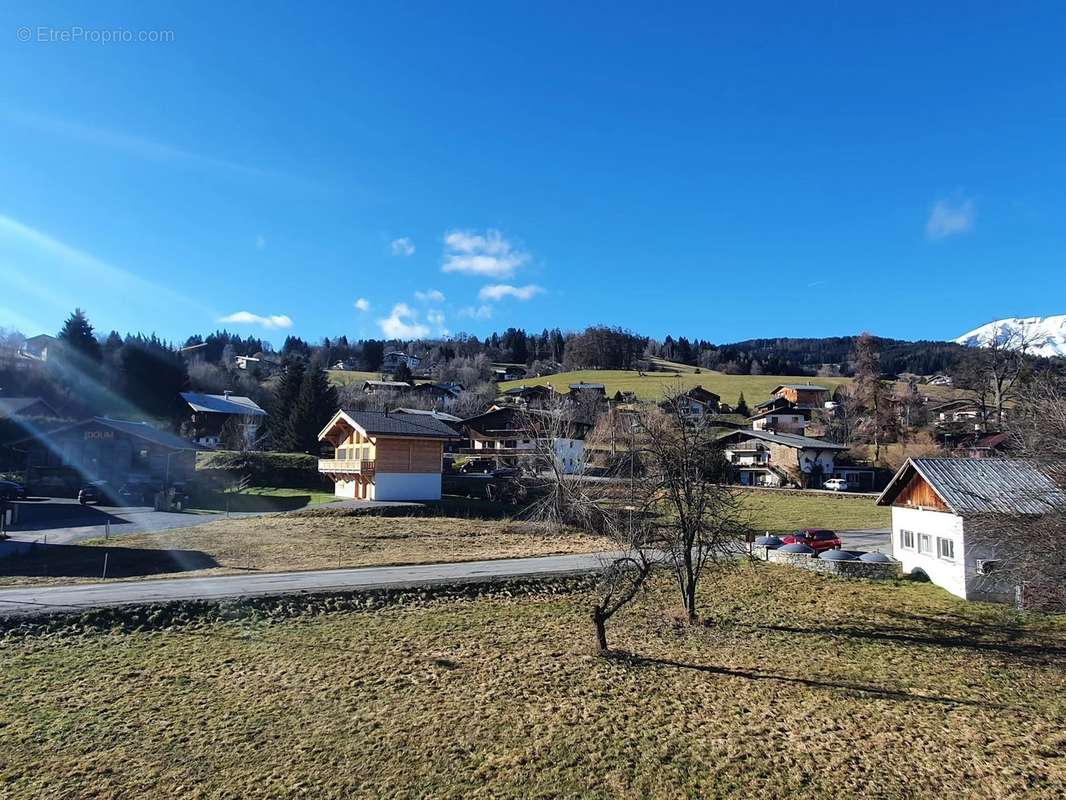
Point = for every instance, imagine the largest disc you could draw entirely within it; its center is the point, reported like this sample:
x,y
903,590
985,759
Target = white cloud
x,y
490,255
950,220
476,312
403,323
430,296
260,242
362,304
501,290
435,317
402,247
271,322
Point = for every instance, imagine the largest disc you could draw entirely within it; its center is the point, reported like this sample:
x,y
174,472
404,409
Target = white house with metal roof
x,y
945,513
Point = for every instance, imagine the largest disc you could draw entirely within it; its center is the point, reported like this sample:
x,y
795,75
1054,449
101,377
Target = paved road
x,y
874,539
61,520
34,600
66,521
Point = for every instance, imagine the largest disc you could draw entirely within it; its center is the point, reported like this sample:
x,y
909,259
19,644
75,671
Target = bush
x,y
291,470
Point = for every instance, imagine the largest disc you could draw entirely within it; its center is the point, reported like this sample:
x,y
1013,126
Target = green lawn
x,y
317,496
656,385
801,686
782,511
343,377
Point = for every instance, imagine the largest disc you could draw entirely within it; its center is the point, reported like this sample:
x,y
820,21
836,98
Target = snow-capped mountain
x,y
1044,336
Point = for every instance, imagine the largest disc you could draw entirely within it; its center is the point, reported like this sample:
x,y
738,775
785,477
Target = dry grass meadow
x,y
800,686
283,542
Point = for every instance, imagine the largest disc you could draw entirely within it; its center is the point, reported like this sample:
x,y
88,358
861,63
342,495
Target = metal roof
x,y
789,440
379,423
13,406
982,485
223,404
811,386
441,415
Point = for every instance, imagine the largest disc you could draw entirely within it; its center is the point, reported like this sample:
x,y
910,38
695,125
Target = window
x,y
925,543
906,539
945,548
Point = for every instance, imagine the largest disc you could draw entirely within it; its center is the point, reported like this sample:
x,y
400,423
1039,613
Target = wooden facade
x,y
919,494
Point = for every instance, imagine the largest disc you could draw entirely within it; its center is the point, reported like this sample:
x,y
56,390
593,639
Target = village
x,y
518,401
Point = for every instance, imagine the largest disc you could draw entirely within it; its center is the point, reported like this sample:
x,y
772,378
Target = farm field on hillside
x,y
656,385
343,377
801,686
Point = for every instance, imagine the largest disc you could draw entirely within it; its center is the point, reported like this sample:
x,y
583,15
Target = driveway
x,y
62,520
867,540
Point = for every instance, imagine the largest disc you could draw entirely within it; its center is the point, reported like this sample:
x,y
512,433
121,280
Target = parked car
x,y
478,465
836,485
818,539
96,492
138,493
12,490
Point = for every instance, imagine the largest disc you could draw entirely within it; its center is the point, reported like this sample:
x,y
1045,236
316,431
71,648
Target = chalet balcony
x,y
349,465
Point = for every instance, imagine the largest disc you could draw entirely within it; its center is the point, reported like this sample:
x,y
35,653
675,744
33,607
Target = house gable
x,y
918,493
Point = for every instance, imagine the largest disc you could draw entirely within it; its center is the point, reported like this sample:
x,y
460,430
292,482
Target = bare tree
x,y
1029,550
872,393
698,519
996,371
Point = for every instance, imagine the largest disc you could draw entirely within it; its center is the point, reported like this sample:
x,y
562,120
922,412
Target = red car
x,y
818,539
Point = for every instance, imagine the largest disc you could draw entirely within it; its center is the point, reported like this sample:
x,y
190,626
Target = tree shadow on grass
x,y
955,633
845,687
78,561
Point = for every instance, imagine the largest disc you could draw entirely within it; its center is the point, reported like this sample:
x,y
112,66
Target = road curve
x,y
34,600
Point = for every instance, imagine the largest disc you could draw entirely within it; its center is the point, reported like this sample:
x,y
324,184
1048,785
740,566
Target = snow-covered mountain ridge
x,y
1044,336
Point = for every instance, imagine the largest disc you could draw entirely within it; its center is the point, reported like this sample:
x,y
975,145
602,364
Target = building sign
x,y
97,435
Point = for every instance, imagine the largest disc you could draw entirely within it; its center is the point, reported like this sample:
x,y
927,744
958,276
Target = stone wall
x,y
843,569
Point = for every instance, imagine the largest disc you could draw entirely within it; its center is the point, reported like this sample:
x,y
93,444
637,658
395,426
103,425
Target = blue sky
x,y
714,172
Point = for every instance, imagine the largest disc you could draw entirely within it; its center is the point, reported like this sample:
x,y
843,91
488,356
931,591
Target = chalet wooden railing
x,y
364,466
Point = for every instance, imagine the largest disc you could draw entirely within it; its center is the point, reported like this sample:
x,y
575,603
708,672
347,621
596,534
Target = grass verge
x,y
800,686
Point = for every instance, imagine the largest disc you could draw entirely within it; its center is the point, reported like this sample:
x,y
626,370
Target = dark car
x,y
818,539
12,490
138,493
96,492
478,465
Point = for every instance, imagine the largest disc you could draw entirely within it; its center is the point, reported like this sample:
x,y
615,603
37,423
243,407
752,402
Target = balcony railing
x,y
364,466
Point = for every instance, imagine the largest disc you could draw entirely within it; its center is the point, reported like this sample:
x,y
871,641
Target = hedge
x,y
291,470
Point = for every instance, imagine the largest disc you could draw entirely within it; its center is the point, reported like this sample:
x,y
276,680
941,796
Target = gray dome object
x,y
838,555
768,541
876,558
795,548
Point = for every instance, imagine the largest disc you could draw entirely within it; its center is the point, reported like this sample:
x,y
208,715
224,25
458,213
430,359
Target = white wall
x,y
570,455
950,575
344,488
405,486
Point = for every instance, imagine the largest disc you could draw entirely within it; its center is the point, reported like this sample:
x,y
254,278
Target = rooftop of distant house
x,y
222,404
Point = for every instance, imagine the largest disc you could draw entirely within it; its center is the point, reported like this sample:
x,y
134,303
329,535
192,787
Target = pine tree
x,y
78,337
315,403
281,408
742,406
402,373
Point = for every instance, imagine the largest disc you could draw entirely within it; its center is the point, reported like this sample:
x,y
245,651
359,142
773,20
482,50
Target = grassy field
x,y
783,511
272,543
801,686
656,385
460,530
318,497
